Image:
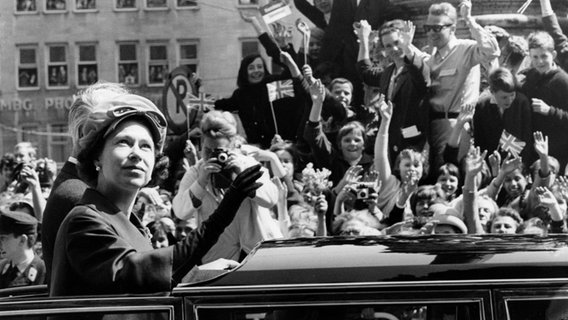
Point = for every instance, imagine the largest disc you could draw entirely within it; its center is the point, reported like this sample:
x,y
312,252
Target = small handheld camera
x,y
223,179
222,156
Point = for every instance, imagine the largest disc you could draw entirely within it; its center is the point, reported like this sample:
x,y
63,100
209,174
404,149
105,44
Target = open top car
x,y
384,277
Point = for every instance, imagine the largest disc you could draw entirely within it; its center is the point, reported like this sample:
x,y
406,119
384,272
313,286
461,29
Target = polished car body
x,y
384,277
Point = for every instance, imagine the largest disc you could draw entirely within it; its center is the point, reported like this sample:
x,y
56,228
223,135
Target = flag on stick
x,y
509,143
280,89
305,31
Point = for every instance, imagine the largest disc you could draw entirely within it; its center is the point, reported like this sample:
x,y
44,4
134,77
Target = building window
x,y
85,5
55,5
249,46
27,68
57,68
59,142
26,6
188,55
125,4
128,64
180,4
157,63
156,4
28,133
87,68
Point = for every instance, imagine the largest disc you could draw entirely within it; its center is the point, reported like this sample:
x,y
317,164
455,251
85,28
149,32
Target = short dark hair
x,y
502,79
390,27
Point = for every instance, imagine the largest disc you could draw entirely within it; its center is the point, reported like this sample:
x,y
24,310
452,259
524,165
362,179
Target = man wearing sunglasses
x,y
452,71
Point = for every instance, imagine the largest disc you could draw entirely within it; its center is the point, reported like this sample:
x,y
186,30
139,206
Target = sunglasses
x,y
435,27
123,111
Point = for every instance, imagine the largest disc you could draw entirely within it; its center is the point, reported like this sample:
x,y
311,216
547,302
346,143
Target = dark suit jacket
x,y
99,251
67,190
407,96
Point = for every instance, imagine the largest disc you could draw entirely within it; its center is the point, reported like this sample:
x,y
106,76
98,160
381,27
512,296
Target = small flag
x,y
509,143
275,10
280,89
201,102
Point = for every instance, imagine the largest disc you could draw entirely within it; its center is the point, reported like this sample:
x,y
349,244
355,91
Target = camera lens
x,y
223,157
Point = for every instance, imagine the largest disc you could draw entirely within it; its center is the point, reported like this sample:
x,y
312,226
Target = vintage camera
x,y
222,156
223,179
362,194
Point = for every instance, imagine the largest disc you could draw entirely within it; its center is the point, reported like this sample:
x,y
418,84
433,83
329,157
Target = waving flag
x,y
509,143
201,102
280,89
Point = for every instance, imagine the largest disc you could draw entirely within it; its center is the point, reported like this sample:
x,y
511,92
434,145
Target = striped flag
x,y
509,143
280,89
201,102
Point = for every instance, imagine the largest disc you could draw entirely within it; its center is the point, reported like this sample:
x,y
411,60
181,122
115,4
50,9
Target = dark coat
x,y
551,88
67,190
100,251
408,92
488,125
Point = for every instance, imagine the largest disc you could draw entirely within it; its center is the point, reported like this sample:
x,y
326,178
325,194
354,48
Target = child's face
x,y
504,224
504,99
448,183
541,59
342,92
515,183
314,48
410,168
255,71
160,240
287,161
352,145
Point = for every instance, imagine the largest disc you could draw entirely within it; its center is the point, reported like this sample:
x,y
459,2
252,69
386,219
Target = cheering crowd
x,y
462,136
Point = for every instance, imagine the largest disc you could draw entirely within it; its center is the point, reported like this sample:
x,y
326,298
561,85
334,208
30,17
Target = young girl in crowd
x,y
448,180
409,165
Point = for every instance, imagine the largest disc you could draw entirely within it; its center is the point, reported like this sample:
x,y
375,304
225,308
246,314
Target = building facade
x,y
50,49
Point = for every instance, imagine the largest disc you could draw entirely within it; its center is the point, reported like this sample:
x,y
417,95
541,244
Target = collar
x,y
22,266
73,160
442,53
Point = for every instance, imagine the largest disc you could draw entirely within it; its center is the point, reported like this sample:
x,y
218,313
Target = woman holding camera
x,y
101,246
203,187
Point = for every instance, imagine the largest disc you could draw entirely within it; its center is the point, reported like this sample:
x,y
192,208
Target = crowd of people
x,y
464,136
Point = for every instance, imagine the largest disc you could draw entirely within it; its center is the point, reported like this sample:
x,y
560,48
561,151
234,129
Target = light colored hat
x,y
443,214
108,114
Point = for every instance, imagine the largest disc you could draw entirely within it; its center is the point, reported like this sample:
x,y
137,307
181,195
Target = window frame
x,y
19,65
137,61
135,8
52,141
79,64
55,11
193,7
157,62
36,11
77,10
49,64
180,61
164,8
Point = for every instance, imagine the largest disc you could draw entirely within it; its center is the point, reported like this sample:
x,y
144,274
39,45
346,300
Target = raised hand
x,y
510,164
385,109
245,184
540,143
495,163
308,74
363,30
545,197
317,92
407,33
474,161
465,9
